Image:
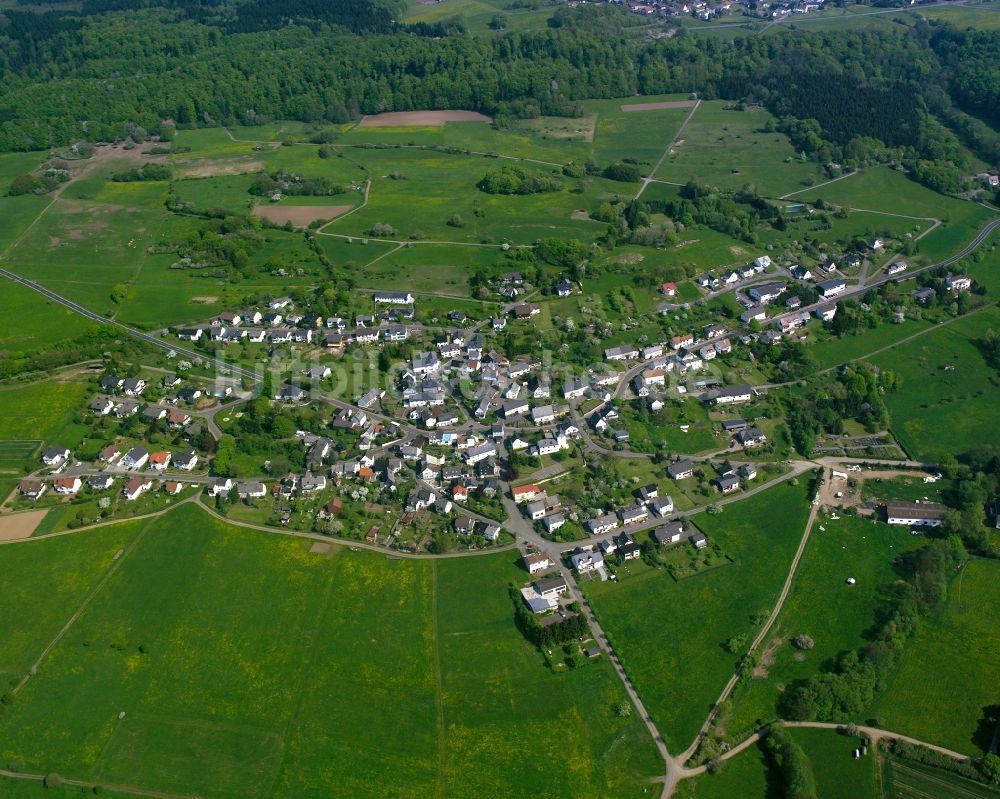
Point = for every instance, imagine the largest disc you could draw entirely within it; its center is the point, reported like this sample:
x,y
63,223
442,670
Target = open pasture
x,y
433,196
334,675
949,394
31,322
641,137
671,635
823,606
890,191
478,15
730,148
952,709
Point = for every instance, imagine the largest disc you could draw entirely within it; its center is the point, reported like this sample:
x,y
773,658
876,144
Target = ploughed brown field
x,y
405,118
658,106
299,215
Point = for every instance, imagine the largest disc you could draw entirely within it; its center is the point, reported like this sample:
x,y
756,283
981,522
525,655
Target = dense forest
x,y
111,66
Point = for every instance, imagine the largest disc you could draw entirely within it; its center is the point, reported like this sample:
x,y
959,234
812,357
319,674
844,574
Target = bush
x,y
626,173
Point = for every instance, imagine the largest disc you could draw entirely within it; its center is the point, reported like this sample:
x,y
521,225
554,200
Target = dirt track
x,y
405,118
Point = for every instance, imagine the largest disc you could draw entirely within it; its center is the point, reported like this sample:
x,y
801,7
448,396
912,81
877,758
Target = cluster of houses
x,y
278,323
707,9
122,400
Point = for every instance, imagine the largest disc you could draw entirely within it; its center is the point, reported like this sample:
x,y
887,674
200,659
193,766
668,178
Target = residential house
x,y
135,458
731,395
67,485
757,313
32,488
633,515
602,524
553,522
728,484
766,292
957,283
831,288
251,489
525,493
185,460
552,587
159,461
100,482
55,456
826,312
698,540
681,470
586,560
752,437
625,352
661,506
669,533
135,487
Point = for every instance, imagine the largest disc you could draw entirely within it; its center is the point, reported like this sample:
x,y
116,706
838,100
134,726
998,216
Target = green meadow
x,y
223,662
949,394
31,322
671,635
750,776
729,149
42,411
823,606
890,191
951,709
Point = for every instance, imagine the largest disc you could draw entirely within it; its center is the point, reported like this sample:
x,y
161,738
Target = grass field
x,y
729,148
337,674
821,605
31,322
939,410
40,411
46,581
872,189
838,774
949,709
670,635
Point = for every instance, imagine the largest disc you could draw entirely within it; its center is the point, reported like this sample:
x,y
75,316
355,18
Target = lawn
x,y
671,635
824,607
949,394
730,148
949,709
248,666
661,431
